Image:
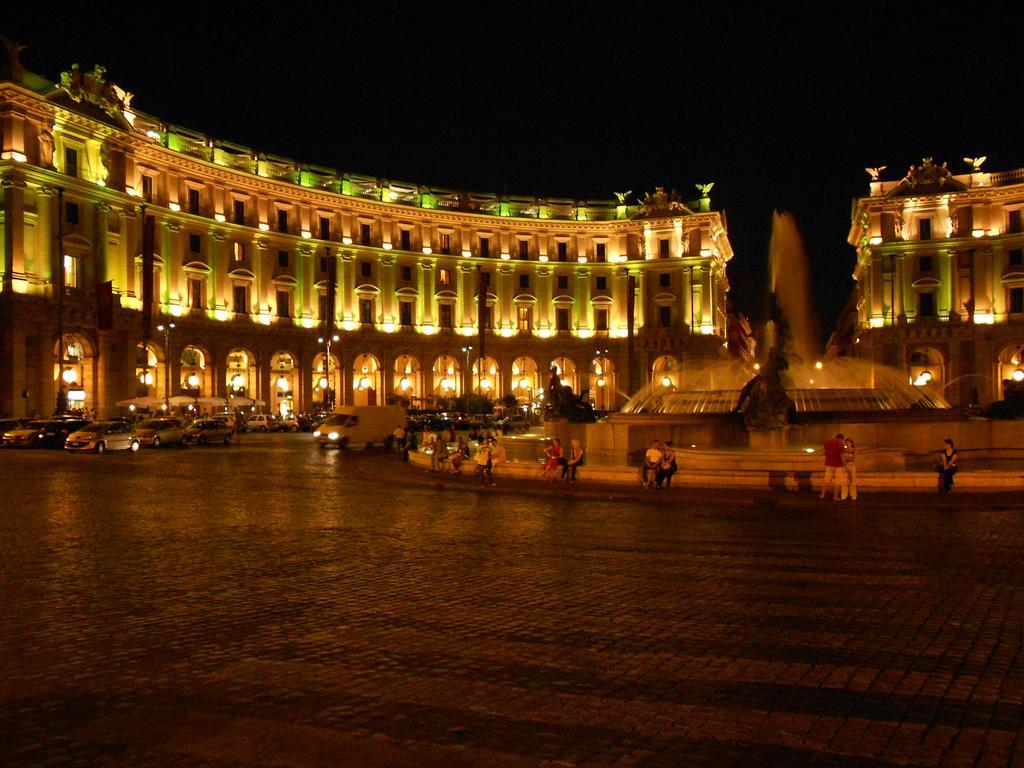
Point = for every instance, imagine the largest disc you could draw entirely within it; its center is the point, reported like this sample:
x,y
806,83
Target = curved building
x,y
940,280
255,259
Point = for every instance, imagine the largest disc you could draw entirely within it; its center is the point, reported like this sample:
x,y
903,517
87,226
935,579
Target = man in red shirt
x,y
833,466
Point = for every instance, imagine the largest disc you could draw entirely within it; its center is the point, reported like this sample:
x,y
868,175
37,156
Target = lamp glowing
x,y
282,384
666,381
69,376
193,381
1017,375
323,382
237,381
404,383
524,383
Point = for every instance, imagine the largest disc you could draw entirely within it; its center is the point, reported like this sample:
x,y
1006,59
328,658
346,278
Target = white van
x,y
360,425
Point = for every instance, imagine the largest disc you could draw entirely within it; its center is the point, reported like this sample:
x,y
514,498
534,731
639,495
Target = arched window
x,y
366,380
486,377
927,367
566,369
665,372
284,380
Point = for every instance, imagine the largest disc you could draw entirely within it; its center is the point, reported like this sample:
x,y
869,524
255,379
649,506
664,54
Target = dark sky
x,y
781,107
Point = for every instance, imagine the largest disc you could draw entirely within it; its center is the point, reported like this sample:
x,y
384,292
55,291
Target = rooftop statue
x,y
93,88
661,203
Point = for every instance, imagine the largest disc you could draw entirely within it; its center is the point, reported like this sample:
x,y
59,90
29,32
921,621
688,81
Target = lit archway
x,y
73,371
486,379
149,371
240,373
193,371
284,383
326,379
447,377
566,373
408,378
603,383
665,372
366,380
1011,371
927,367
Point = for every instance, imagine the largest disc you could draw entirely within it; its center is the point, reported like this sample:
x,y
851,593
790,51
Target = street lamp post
x,y
602,376
328,389
62,394
467,379
166,329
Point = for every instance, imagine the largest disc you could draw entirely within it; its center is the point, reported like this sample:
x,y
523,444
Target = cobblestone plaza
x,y
272,604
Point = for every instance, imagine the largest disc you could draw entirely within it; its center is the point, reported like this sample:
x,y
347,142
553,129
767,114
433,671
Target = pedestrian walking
x,y
950,466
668,466
573,461
833,467
398,437
849,486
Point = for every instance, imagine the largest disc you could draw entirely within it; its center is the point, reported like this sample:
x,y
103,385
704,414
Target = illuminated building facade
x,y
247,246
940,280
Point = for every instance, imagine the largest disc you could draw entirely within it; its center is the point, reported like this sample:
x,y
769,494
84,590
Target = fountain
x,y
775,413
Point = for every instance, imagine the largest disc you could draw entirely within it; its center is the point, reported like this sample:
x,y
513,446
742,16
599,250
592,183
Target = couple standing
x,y
840,468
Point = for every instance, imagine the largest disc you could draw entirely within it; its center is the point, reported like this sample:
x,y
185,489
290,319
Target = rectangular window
x,y
323,263
282,258
563,250
283,303
239,214
524,281
195,292
663,248
924,264
1017,257
147,188
405,313
193,201
241,299
600,319
366,311
406,274
1016,301
365,269
238,251
70,271
563,282
926,305
562,319
71,213
665,279
364,233
282,220
664,317
405,238
524,318
602,283
195,244
1014,221
485,247
444,277
444,315
485,279
71,161
325,228
600,252
924,229
445,241
524,249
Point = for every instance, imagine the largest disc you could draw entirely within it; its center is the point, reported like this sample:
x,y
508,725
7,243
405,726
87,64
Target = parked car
x,y
208,432
43,433
157,432
6,425
513,424
287,423
261,422
103,436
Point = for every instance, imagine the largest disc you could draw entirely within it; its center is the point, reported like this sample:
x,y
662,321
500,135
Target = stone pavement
x,y
275,604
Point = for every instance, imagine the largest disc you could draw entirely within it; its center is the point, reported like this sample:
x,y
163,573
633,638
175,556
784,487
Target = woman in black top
x,y
950,465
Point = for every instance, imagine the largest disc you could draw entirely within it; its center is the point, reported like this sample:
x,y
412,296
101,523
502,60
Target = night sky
x,y
780,111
